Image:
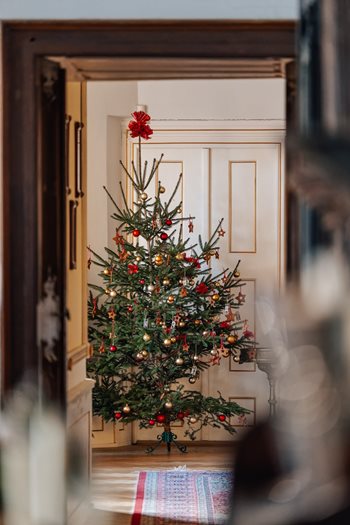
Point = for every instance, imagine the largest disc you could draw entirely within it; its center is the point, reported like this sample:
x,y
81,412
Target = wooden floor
x,y
115,474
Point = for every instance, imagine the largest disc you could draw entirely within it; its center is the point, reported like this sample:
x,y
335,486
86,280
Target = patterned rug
x,y
175,497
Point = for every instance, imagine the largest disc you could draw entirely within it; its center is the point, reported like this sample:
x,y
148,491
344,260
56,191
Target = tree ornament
x,y
197,322
139,126
107,291
179,210
173,339
202,289
113,348
190,225
142,281
146,338
221,232
152,422
143,196
179,361
158,260
195,357
160,418
166,282
126,409
232,339
214,351
167,342
118,415
106,271
138,258
144,353
164,236
236,274
182,324
139,356
180,415
150,288
111,314
129,308
193,419
192,380
236,359
171,299
205,333
136,232
168,405
161,189
168,222
179,256
112,293
215,297
221,417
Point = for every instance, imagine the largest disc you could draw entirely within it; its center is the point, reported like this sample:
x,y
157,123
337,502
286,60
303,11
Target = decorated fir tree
x,y
160,318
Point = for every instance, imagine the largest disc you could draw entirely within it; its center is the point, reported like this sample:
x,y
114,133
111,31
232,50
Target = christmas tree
x,y
160,318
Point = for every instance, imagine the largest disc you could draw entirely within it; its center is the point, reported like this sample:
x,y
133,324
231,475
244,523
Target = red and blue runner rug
x,y
175,497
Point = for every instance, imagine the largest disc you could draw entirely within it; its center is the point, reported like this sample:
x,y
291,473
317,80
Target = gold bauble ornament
x,y
179,256
146,338
144,353
191,282
195,358
182,324
197,322
193,419
171,299
231,339
215,297
173,339
236,359
143,196
107,291
192,380
179,361
161,189
106,271
158,260
126,409
166,342
138,258
112,293
214,351
150,288
168,404
236,274
139,356
166,282
179,210
205,333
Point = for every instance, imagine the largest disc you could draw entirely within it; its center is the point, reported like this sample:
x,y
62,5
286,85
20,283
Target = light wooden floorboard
x,y
115,474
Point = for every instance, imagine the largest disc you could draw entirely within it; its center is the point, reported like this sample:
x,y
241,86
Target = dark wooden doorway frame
x,y
24,48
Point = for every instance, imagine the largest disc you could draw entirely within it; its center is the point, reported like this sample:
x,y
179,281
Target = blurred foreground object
x,y
38,469
295,469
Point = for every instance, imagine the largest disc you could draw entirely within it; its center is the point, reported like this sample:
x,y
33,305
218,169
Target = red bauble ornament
x,y
113,348
221,417
160,418
130,308
136,232
180,415
142,281
168,222
164,236
152,422
118,415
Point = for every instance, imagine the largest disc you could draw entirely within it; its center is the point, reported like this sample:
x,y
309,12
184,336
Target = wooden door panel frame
x,y
24,46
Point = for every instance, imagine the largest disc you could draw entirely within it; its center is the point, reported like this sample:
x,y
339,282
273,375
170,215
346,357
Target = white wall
x,y
152,9
213,99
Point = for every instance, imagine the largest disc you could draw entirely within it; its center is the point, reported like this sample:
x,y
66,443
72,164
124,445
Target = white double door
x,y
237,176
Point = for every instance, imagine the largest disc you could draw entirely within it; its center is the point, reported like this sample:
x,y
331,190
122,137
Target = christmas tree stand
x,y
169,438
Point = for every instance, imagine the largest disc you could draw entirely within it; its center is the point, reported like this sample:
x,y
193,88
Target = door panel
x,y
238,177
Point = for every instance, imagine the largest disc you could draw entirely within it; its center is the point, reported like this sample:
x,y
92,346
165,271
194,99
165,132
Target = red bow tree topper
x,y
139,127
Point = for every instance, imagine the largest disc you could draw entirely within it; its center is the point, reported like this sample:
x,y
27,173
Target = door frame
x,y
24,48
